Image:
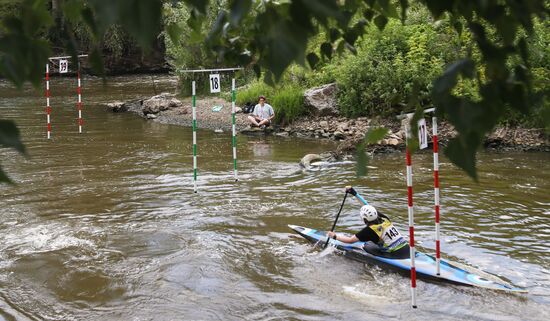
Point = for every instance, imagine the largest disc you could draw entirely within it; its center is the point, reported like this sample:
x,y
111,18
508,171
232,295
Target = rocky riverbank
x,y
215,114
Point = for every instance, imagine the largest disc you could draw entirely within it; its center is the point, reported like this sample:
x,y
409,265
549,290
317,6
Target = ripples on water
x,y
104,225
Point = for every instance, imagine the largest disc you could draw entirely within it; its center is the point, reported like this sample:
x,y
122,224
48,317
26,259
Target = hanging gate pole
x,y
194,102
234,130
79,103
48,107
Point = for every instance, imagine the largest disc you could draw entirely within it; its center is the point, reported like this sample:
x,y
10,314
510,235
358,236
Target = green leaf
x,y
362,160
199,5
446,82
322,10
72,9
4,178
334,34
380,21
351,36
404,4
88,18
312,59
438,7
238,9
368,14
142,19
326,50
373,136
388,9
96,61
10,136
174,31
462,152
523,51
257,70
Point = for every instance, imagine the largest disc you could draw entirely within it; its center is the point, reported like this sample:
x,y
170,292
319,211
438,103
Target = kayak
x,y
451,272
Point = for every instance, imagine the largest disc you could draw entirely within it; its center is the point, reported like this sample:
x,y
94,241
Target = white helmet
x,y
369,213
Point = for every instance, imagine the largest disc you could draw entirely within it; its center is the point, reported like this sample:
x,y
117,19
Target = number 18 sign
x,y
422,133
214,83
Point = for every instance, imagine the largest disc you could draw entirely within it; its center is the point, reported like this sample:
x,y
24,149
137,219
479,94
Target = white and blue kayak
x,y
451,272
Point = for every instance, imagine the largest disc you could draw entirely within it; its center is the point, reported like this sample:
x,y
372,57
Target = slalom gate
x,y
423,143
61,65
215,87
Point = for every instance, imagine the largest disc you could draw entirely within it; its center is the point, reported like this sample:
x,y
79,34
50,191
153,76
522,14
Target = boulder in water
x,y
159,103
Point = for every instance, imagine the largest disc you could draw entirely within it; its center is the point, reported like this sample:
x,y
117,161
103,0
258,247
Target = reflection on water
x,y
105,225
261,148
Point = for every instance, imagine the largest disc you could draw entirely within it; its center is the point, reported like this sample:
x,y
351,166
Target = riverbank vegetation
x,y
402,60
386,69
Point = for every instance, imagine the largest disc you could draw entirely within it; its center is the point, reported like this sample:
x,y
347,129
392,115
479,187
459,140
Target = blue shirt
x,y
263,112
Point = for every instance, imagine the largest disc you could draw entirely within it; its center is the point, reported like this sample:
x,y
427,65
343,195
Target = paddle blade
x,y
328,250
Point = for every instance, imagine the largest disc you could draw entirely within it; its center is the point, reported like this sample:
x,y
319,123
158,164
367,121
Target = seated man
x,y
263,114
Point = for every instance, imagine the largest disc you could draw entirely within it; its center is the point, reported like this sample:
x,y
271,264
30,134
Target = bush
x,y
288,103
251,92
388,67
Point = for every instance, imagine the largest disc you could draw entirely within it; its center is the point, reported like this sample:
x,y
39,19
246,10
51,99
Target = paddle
x,y
353,192
337,216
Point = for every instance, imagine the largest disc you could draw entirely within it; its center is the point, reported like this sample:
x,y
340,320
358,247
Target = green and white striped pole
x,y
194,104
234,138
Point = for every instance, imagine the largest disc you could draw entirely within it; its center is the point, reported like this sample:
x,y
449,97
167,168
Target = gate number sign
x,y
215,83
422,133
63,66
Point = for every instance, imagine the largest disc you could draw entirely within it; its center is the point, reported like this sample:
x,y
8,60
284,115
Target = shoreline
x,y
347,131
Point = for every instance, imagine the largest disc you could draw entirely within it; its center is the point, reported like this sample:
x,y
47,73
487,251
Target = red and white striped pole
x,y
436,194
411,216
48,107
79,103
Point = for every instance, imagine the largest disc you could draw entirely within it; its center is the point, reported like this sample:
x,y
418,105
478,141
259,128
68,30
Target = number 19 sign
x,y
214,83
63,66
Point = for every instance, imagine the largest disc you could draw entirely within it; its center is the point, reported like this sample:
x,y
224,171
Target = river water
x,y
105,225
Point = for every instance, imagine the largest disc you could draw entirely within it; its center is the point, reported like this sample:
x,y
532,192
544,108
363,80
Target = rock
x,y
151,116
117,106
339,135
322,100
218,131
400,134
282,134
306,161
343,127
159,103
323,123
238,110
393,142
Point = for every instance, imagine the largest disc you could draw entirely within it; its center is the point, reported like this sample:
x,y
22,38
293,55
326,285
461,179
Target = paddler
x,y
379,230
